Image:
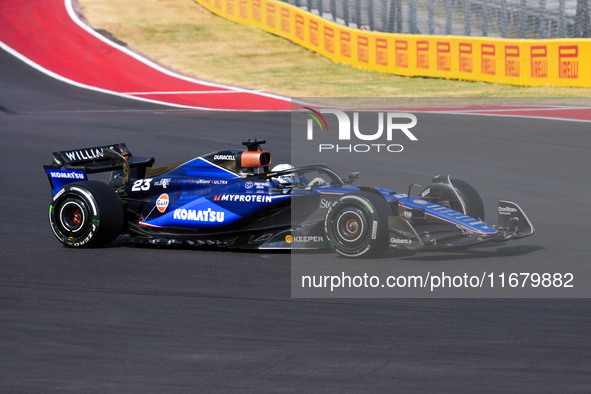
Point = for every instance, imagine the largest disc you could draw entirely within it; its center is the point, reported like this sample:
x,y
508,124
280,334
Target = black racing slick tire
x,y
465,199
86,214
356,225
472,201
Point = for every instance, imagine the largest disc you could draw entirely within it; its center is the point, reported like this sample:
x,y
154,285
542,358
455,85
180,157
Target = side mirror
x,y
352,178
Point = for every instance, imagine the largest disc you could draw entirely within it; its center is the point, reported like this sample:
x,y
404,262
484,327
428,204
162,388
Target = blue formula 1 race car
x,y
232,198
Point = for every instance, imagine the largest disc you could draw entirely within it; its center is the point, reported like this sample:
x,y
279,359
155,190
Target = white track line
x,y
51,74
505,115
185,92
535,108
76,19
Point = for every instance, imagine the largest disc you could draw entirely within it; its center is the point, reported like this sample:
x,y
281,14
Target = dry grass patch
x,y
191,40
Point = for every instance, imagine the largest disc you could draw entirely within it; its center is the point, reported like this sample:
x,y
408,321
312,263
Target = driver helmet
x,y
285,179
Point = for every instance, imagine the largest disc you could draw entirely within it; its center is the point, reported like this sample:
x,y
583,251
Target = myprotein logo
x,y
353,128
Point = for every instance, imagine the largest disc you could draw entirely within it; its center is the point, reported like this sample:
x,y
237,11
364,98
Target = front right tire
x,y
356,225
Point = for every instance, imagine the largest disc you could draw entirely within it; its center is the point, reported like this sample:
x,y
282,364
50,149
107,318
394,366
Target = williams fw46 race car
x,y
232,198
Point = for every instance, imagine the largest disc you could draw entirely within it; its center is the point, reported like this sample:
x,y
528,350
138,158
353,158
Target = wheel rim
x,y
356,225
73,217
350,226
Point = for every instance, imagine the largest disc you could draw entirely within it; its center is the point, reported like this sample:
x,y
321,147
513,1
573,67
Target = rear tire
x,y
356,225
86,214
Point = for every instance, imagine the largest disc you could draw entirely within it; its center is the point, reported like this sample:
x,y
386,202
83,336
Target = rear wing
x,y
74,165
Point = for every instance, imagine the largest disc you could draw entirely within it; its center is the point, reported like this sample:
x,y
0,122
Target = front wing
x,y
513,224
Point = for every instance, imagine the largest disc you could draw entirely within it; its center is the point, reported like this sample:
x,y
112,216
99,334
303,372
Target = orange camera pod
x,y
254,159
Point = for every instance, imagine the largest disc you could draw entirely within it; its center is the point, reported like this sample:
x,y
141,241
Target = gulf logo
x,y
162,202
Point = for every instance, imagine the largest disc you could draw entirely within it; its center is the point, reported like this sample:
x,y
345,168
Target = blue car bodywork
x,y
231,198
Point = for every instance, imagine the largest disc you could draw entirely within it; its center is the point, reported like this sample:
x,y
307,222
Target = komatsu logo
x,y
388,122
67,175
199,215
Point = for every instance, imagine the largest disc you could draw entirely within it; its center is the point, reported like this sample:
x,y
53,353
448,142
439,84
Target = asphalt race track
x,y
144,319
